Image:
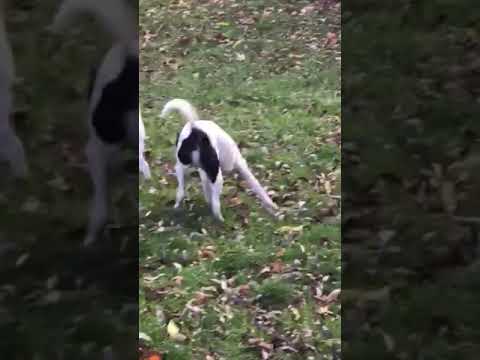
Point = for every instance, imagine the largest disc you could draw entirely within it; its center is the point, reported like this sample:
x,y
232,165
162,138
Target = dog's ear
x,y
176,141
209,159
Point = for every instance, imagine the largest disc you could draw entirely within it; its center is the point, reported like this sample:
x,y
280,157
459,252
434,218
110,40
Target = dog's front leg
x,y
207,193
97,157
142,163
216,192
11,149
180,173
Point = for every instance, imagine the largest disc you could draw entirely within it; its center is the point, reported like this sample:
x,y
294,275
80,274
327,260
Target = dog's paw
x,y
272,208
146,174
220,218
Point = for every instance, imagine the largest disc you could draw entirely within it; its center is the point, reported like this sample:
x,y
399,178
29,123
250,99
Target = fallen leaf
x,y
240,57
324,310
178,280
277,267
201,298
296,313
328,187
145,337
207,252
333,296
330,40
291,230
174,332
172,329
244,290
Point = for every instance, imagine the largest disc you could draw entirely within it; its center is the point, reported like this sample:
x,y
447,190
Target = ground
x,y
57,298
255,287
410,178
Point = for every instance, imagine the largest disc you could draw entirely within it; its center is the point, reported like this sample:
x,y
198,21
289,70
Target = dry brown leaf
x,y
201,298
333,296
244,290
330,40
324,310
207,252
265,354
296,313
178,280
328,187
280,252
277,267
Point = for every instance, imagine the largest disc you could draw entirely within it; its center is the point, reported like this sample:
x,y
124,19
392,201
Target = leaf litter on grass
x,y
269,74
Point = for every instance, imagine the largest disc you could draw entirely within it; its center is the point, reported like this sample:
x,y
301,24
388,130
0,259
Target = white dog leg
x,y
180,173
216,192
97,155
247,175
142,163
143,166
11,149
205,186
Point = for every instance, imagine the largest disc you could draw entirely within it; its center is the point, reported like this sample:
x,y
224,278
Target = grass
x,y
414,133
57,298
255,283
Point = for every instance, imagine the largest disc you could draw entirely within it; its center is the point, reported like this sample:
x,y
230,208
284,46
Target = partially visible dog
x,y
11,149
113,95
203,145
142,163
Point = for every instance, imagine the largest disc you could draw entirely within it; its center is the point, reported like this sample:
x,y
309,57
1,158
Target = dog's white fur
x,y
228,154
11,148
142,163
119,21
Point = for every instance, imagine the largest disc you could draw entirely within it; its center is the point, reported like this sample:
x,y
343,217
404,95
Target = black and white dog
x,y
113,99
205,146
11,149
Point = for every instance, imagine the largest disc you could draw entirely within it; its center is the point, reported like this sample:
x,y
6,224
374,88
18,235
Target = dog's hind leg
x,y
180,173
97,156
247,175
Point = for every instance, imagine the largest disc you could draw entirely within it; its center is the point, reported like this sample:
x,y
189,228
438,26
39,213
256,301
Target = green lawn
x,y
269,73
56,297
411,150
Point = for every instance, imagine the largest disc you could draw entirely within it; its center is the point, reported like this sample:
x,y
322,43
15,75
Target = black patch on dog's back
x,y
209,159
209,162
119,97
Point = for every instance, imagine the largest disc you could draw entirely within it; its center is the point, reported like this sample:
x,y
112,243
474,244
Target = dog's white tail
x,y
253,184
186,110
115,15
